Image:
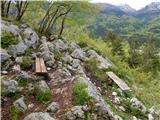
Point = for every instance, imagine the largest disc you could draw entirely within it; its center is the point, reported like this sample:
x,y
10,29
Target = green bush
x,y
8,39
27,62
22,82
44,96
91,66
82,44
80,95
58,55
15,112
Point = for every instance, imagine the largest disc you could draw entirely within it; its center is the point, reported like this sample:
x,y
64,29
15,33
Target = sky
x,y
136,4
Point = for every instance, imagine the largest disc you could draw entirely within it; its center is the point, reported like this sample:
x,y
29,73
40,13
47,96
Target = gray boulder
x,y
18,49
60,45
53,107
9,27
23,75
30,37
10,86
79,54
20,104
73,45
47,55
39,116
75,113
42,86
138,104
4,55
103,62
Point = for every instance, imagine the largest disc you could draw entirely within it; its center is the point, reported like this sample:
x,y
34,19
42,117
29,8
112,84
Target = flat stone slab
x,y
118,81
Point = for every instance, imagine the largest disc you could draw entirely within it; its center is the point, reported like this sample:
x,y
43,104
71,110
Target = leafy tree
x,y
150,55
134,52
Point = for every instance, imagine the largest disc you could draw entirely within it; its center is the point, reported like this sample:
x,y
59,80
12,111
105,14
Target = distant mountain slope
x,y
127,9
150,11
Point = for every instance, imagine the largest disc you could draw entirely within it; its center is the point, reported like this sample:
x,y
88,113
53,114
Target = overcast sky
x,y
136,4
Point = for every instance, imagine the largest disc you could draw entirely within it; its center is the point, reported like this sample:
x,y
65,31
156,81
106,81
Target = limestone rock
x,y
20,104
10,86
138,104
53,107
79,54
4,55
103,62
39,116
60,45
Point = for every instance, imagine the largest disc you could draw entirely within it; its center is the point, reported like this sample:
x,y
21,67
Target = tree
x,y
150,55
5,6
116,44
54,12
21,8
134,52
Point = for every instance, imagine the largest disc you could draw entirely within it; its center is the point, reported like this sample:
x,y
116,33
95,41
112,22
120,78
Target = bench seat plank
x,y
118,81
38,67
43,67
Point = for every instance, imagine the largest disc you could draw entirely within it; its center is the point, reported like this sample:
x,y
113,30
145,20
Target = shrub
x,y
80,95
44,96
82,44
91,66
58,55
15,112
22,82
27,62
8,39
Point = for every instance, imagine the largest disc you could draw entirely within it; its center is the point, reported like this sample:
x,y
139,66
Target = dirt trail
x,y
62,92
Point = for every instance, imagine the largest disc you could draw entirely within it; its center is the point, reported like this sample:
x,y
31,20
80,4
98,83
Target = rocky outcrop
x,y
39,116
27,38
4,55
102,107
103,62
46,48
79,54
60,45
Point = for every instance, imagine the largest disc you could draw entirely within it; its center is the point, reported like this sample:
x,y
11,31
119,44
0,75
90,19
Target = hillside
x,y
71,61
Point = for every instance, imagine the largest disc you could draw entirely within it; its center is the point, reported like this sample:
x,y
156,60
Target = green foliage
x,y
82,44
91,66
27,62
22,82
80,95
58,55
44,96
8,39
15,112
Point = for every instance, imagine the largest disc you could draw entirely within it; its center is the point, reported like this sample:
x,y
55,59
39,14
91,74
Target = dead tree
x,y
5,6
21,8
54,12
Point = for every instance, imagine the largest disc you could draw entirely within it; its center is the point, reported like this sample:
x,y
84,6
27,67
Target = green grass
x,y
27,62
8,39
80,95
44,96
15,112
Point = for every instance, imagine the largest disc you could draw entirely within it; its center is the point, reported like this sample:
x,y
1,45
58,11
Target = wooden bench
x,y
40,66
118,81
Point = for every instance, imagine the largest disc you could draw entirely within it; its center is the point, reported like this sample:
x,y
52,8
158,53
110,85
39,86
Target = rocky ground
x,y
28,96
